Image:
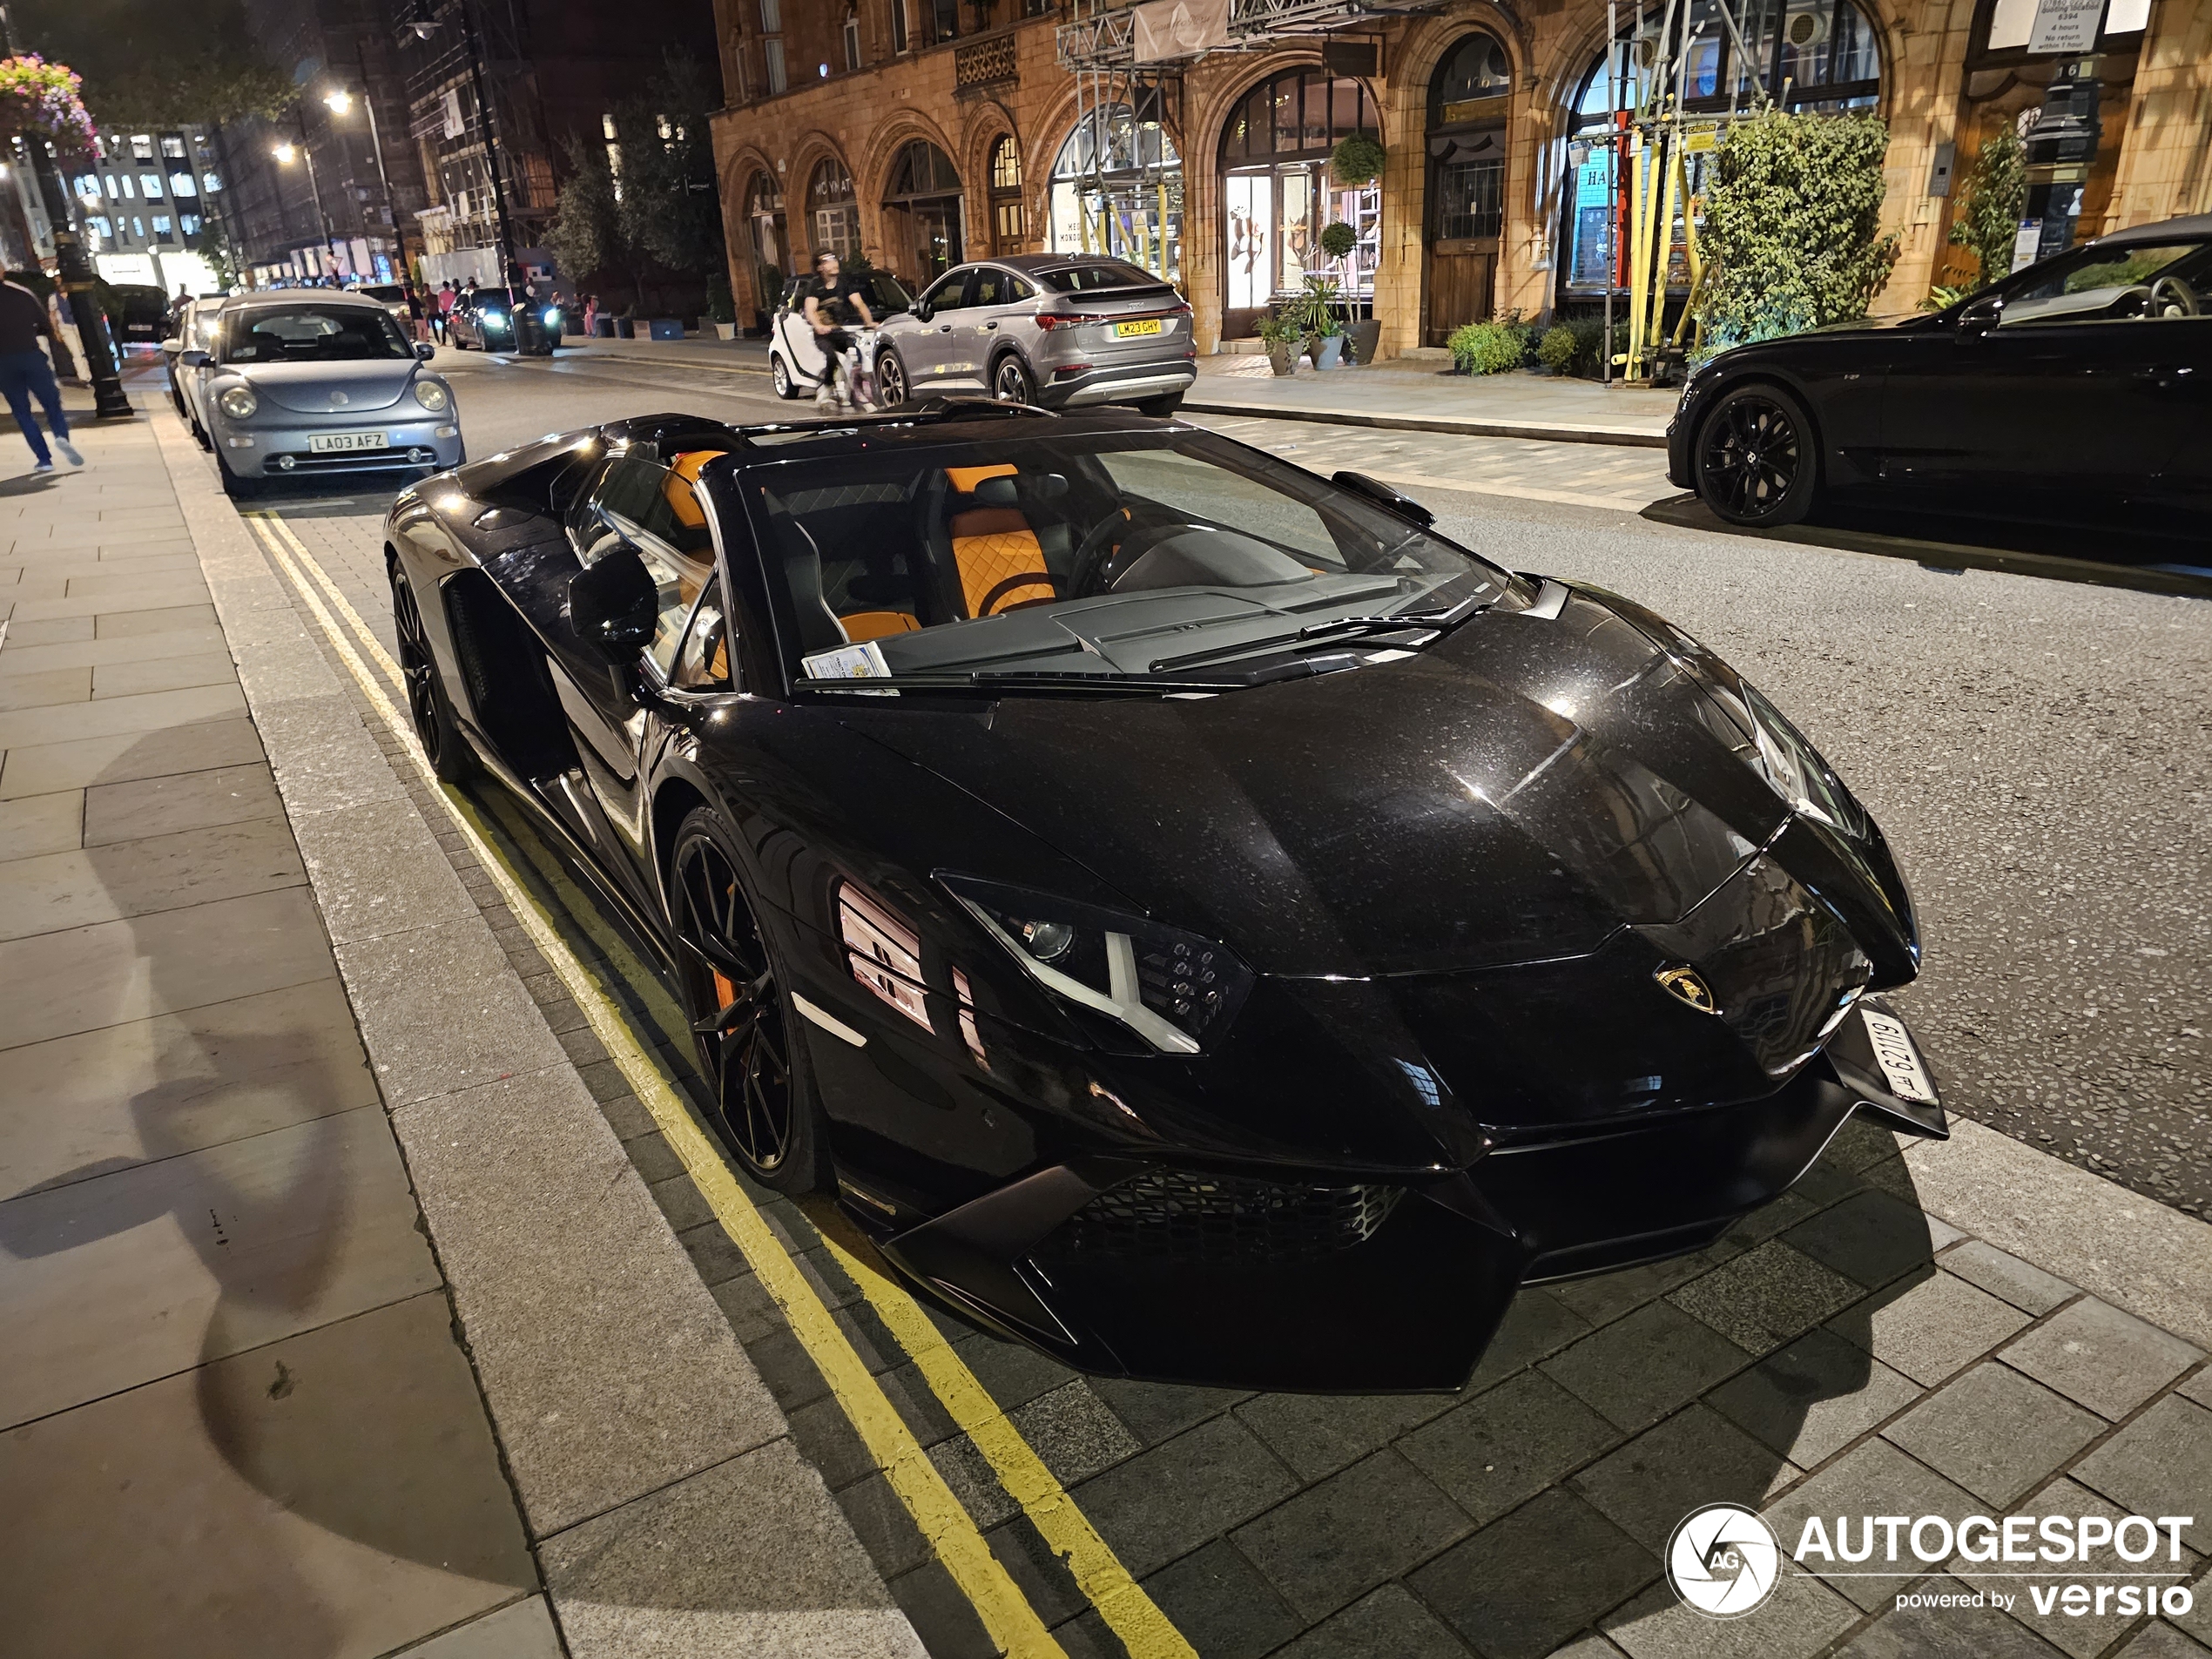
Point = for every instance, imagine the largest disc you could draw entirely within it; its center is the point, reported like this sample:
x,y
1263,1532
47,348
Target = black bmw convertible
x,y
1201,921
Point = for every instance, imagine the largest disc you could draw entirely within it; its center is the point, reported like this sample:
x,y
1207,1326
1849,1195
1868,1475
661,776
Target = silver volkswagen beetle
x,y
302,381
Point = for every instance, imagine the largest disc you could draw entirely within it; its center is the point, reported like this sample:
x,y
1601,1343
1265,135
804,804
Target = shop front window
x,y
1117,189
1278,196
1809,55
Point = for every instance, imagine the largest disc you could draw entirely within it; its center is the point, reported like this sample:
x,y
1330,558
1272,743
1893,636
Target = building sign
x,y
2066,26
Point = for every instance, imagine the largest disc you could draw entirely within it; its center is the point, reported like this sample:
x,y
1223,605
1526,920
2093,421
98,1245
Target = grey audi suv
x,y
1057,330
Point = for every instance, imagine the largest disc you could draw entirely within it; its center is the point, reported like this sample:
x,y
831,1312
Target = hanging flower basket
x,y
1357,159
46,99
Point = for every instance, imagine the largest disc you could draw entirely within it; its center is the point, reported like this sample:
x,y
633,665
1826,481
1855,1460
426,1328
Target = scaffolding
x,y
1652,143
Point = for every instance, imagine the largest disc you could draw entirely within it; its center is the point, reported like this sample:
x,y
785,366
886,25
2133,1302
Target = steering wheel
x,y
2171,297
1105,540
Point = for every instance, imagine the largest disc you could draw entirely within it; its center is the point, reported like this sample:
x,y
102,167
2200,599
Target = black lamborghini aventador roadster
x,y
1200,921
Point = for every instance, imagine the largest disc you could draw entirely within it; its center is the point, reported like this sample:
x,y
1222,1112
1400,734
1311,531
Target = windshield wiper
x,y
1342,627
990,679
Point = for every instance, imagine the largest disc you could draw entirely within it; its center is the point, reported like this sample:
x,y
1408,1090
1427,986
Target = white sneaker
x,y
69,452
43,466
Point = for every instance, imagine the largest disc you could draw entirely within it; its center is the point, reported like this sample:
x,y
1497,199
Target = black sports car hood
x,y
1519,791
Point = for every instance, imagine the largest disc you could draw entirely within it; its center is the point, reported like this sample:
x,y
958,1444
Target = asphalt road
x,y
2040,752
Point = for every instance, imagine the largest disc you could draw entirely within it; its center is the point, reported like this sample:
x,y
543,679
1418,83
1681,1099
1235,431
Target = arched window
x,y
1472,72
764,222
923,170
1007,231
922,212
1278,196
830,205
1117,188
1804,55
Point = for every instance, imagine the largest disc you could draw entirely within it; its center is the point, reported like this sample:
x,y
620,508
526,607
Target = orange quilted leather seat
x,y
1001,566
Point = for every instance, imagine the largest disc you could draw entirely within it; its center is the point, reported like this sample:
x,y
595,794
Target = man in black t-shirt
x,y
832,300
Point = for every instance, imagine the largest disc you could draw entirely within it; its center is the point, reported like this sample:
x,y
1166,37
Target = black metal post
x,y
73,270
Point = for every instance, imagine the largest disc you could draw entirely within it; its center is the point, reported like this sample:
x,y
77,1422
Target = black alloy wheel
x,y
754,1068
447,750
890,380
1010,382
1757,461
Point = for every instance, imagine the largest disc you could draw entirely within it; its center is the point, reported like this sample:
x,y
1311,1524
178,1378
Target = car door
x,y
652,511
935,346
994,302
2039,402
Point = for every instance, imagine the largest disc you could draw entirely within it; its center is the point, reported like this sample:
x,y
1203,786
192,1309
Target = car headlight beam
x,y
432,395
239,402
1170,987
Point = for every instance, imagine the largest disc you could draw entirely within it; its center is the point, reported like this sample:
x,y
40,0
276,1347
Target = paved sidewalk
x,y
236,1419
1419,396
1400,394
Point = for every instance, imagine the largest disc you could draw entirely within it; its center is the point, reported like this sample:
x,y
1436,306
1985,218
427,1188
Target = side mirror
x,y
613,605
192,357
425,350
922,309
1380,493
1981,316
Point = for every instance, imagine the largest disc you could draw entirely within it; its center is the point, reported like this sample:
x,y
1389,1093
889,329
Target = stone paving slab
x,y
241,1509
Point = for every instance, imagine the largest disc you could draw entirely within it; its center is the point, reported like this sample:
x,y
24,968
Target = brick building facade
x,y
919,130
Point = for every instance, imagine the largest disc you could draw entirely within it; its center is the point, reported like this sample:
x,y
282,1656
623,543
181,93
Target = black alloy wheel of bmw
x,y
1756,462
890,380
1010,382
755,1070
447,750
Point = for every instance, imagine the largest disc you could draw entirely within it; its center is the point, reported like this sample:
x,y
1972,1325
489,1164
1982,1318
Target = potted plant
x,y
1557,350
721,308
1358,159
1324,334
1280,335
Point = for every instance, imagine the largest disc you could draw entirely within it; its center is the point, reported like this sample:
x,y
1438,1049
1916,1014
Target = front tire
x,y
891,389
1010,382
780,377
435,727
741,1013
1161,406
1759,463
237,487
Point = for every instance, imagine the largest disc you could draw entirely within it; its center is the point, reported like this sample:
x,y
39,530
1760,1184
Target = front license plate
x,y
338,444
1900,1061
1132,330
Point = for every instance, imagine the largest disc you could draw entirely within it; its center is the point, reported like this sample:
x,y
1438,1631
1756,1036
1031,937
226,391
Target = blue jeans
x,y
22,374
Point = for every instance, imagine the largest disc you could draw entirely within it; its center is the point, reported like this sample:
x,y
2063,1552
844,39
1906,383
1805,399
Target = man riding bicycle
x,y
832,298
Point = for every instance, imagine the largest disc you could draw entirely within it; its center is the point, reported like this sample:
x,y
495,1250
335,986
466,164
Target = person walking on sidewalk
x,y
24,370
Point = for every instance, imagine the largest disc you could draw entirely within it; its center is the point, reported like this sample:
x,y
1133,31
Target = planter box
x,y
1367,340
667,329
725,331
625,328
602,328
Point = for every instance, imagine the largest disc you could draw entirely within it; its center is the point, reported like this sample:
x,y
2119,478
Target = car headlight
x,y
239,402
552,316
1172,988
1795,770
433,395
491,323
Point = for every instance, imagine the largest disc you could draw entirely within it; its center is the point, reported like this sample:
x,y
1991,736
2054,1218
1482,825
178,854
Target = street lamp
x,y
286,152
339,101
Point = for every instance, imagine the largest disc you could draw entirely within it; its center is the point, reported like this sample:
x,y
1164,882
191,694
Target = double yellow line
x,y
1005,1613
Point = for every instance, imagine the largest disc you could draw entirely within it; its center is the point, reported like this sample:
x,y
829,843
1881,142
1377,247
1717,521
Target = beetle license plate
x,y
339,443
1132,330
1900,1061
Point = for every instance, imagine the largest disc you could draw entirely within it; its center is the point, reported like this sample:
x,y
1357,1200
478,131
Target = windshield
x,y
314,334
1086,279
1112,556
